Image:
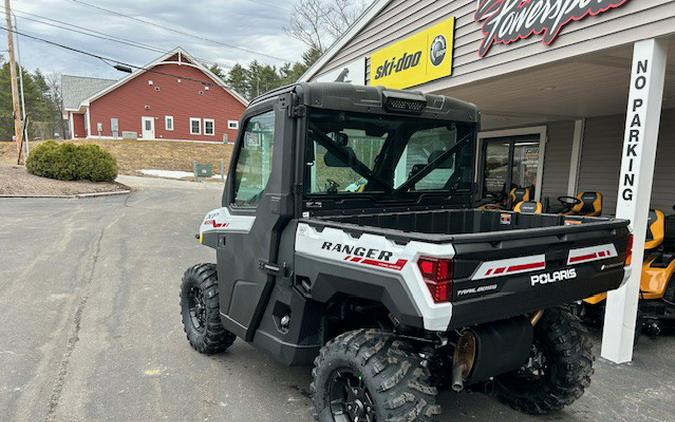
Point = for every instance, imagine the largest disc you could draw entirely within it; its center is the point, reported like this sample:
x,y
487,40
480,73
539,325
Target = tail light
x,y
629,249
437,275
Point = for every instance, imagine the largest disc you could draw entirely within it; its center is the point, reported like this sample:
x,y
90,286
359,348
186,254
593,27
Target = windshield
x,y
350,153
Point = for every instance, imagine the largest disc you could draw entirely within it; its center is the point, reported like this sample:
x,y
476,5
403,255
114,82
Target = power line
x,y
102,35
94,34
105,59
270,5
189,34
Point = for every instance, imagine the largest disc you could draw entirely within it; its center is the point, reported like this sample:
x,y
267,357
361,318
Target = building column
x,y
635,188
71,126
575,157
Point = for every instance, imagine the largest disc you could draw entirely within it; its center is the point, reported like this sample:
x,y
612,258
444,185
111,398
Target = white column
x,y
71,125
575,157
635,188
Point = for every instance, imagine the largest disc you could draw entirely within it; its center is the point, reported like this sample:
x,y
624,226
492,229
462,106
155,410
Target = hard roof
x,y
76,89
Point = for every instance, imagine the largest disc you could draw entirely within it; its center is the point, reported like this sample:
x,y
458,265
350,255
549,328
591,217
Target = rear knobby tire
x,y
567,369
392,377
200,310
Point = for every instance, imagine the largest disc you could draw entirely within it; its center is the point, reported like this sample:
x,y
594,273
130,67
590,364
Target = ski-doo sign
x,y
507,21
417,59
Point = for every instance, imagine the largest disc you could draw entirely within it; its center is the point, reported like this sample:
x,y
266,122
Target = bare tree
x,y
56,96
318,23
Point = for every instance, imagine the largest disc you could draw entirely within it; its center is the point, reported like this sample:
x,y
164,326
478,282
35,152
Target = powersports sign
x,y
420,58
507,21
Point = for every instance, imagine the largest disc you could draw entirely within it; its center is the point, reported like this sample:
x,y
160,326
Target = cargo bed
x,y
484,243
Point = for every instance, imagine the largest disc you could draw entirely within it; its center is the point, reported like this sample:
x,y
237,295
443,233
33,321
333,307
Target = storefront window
x,y
525,164
510,163
496,166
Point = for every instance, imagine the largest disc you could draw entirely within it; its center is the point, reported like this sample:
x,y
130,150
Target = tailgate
x,y
498,275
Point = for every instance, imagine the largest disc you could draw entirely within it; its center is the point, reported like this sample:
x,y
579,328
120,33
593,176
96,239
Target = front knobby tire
x,y
558,371
200,313
369,375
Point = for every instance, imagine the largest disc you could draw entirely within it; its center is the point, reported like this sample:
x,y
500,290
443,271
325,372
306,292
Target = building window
x,y
114,124
233,124
209,127
168,122
195,126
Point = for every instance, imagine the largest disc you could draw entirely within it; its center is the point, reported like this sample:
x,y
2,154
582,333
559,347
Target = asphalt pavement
x,y
91,328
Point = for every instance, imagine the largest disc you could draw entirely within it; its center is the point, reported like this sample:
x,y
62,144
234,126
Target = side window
x,y
254,163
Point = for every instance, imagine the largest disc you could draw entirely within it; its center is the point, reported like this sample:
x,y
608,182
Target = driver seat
x,y
590,205
529,207
518,195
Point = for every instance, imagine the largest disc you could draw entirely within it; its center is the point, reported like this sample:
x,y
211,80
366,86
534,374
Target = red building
x,y
173,98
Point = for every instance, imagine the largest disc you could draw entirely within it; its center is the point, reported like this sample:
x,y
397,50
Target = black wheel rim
x,y
197,309
349,398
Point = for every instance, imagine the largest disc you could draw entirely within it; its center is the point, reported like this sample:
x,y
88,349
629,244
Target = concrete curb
x,y
75,196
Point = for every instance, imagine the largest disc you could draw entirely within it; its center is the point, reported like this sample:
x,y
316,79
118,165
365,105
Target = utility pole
x,y
12,72
23,101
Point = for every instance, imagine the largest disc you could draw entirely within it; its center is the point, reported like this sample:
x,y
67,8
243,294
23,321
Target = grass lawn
x,y
136,155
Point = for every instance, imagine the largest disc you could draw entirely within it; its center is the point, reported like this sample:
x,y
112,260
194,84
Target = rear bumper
x,y
517,295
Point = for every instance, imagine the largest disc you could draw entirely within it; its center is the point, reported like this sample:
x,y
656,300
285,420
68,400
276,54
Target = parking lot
x,y
91,327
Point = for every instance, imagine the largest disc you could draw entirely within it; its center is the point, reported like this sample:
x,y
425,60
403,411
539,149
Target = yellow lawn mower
x,y
656,309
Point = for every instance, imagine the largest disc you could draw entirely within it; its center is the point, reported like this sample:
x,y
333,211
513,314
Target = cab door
x,y
247,251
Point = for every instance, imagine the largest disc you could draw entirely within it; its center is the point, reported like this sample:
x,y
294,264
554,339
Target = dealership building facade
x,y
576,96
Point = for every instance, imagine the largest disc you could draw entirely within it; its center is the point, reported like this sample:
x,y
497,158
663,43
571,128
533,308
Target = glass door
x,y
509,163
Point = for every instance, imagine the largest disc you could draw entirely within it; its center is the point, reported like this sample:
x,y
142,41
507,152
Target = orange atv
x,y
656,308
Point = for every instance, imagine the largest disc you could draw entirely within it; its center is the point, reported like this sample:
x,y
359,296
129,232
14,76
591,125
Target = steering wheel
x,y
492,200
568,202
332,186
491,207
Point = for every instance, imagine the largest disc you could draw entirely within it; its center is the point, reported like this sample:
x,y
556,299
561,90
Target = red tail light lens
x,y
437,275
629,249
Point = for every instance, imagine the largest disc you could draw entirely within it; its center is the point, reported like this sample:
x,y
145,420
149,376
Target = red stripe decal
x,y
583,257
347,257
215,224
500,270
356,259
489,271
392,266
524,267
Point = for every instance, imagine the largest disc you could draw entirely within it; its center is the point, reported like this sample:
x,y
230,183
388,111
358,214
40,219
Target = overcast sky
x,y
253,24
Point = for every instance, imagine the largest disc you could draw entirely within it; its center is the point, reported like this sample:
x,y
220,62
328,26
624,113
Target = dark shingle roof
x,y
78,88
